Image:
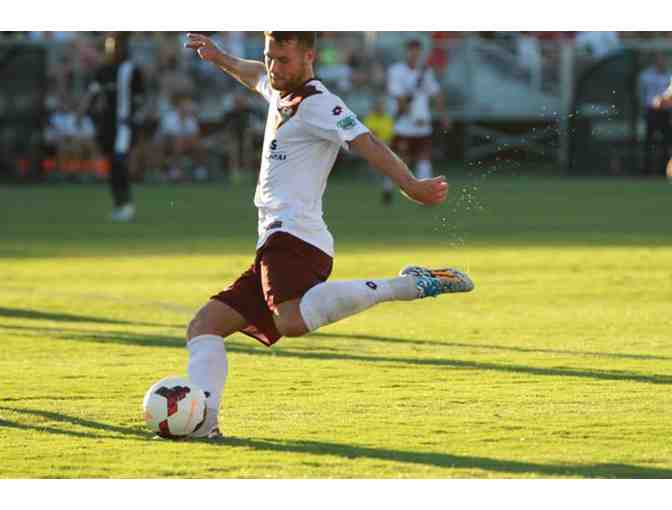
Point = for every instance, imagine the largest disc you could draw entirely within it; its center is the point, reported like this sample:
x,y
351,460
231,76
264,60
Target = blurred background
x,y
567,103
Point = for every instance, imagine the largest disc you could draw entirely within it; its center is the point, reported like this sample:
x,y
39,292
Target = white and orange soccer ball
x,y
174,407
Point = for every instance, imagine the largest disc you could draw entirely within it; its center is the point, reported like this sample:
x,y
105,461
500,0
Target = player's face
x,y
288,64
413,55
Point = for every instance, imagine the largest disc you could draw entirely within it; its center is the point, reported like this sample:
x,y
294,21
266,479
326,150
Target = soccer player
x,y
660,102
653,81
413,87
120,86
285,292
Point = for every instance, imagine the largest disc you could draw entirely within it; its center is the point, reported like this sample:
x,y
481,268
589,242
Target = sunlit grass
x,y
559,364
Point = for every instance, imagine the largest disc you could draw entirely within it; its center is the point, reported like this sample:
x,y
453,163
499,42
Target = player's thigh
x,y
216,318
289,267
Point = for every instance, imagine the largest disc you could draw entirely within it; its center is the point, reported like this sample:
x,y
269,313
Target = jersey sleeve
x,y
432,85
395,86
327,117
264,87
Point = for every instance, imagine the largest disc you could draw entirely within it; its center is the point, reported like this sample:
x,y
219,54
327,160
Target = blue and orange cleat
x,y
433,282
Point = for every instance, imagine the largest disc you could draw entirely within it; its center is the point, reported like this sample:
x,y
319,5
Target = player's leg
x,y
120,186
330,302
423,156
666,128
649,146
208,365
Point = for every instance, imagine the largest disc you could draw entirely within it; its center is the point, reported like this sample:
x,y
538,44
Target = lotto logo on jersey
x,y
348,122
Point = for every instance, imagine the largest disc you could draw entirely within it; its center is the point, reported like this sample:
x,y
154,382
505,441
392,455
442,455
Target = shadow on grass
x,y
19,313
36,314
71,420
434,343
445,460
353,452
146,340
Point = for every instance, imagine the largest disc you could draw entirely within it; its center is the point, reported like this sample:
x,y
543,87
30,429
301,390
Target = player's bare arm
x,y
382,159
246,72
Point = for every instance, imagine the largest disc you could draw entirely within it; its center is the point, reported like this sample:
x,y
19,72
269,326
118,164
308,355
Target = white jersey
x,y
421,85
305,129
173,124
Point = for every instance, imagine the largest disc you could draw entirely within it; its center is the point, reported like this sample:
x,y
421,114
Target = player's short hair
x,y
413,43
307,40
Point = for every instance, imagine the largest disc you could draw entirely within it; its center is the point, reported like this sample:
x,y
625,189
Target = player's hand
x,y
204,47
427,191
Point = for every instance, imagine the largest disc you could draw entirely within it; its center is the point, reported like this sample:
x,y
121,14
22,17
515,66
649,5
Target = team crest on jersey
x,y
289,105
337,110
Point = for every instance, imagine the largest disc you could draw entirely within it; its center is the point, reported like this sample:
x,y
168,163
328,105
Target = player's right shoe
x,y
123,214
434,282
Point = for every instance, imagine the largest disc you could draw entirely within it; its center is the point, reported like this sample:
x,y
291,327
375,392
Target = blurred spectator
x,y
442,45
173,82
57,37
413,87
117,94
332,62
180,143
241,127
72,136
598,44
653,82
380,122
234,43
528,56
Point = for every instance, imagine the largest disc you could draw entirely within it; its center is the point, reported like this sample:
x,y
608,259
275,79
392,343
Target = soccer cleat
x,y
123,214
215,435
433,282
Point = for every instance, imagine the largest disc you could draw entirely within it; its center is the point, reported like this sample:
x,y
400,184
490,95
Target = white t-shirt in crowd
x,y
421,84
652,83
304,133
66,124
174,125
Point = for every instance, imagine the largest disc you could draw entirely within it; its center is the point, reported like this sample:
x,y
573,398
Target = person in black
x,y
653,82
116,96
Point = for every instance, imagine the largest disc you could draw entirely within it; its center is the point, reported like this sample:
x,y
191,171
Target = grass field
x,y
558,365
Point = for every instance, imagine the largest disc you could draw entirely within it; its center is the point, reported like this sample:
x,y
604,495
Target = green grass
x,y
558,365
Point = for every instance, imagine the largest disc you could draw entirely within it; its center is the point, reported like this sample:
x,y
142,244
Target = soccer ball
x,y
174,407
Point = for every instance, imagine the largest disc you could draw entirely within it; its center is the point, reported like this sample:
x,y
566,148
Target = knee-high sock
x,y
208,367
424,170
388,184
332,301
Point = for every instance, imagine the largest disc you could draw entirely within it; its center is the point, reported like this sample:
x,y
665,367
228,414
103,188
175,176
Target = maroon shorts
x,y
285,268
412,148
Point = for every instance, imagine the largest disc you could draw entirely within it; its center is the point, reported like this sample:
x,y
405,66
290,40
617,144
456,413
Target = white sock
x,y
424,169
332,301
208,367
388,184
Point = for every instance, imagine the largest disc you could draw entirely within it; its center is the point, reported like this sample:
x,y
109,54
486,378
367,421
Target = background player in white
x,y
416,94
285,292
663,101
